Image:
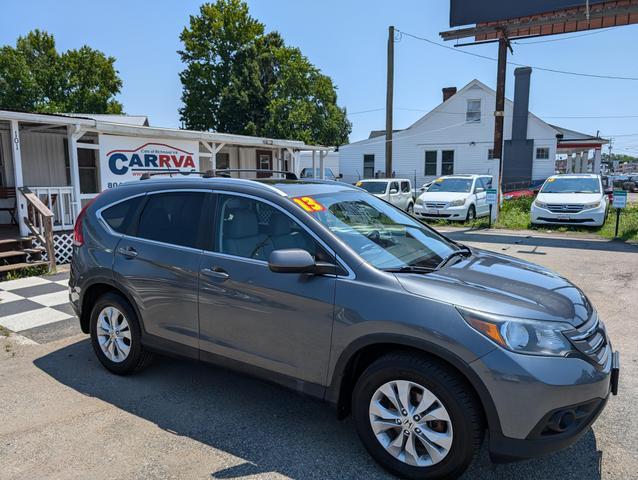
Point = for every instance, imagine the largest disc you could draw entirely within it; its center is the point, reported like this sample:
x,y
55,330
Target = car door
x,y
158,264
406,194
394,198
275,321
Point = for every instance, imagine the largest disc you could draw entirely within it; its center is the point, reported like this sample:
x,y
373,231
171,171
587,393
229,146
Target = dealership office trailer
x,y
52,164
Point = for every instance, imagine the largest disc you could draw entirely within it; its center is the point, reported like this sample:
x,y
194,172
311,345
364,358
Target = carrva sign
x,y
123,159
620,199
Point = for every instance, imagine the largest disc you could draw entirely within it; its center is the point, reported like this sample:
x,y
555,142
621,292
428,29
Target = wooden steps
x,y
19,266
18,253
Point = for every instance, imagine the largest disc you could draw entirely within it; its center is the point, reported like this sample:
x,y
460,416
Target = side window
x,y
120,216
395,186
487,181
405,187
252,229
173,218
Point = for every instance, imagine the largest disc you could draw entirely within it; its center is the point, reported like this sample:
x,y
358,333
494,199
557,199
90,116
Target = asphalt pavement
x,y
63,416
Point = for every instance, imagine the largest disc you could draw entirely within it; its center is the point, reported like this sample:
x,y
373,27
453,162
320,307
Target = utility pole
x,y
389,101
499,111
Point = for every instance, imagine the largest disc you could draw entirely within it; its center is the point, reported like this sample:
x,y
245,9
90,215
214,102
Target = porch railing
x,y
39,220
59,201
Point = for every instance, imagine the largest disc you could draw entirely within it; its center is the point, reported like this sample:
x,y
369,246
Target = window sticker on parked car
x,y
309,204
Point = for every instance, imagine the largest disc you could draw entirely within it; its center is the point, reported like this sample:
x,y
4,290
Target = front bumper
x,y
593,217
446,213
543,404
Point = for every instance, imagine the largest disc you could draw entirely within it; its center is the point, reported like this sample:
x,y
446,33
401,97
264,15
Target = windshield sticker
x,y
309,204
551,180
438,180
359,184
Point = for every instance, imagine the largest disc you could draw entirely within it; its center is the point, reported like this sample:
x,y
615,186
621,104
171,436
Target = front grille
x,y
564,208
435,204
591,339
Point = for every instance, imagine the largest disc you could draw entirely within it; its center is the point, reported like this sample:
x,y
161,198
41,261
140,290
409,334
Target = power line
x,y
561,38
544,69
585,117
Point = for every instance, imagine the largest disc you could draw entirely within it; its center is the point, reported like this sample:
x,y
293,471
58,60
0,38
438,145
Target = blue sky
x,y
346,39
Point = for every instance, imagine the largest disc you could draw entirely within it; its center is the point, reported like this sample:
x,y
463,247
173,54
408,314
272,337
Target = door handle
x,y
128,252
216,272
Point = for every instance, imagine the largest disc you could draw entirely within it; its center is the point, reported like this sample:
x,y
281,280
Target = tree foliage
x,y
35,77
239,79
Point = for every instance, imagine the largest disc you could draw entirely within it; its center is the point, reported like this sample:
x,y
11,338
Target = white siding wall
x,y
445,128
331,161
43,159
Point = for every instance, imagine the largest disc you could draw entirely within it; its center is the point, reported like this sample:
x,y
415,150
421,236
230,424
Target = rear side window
x,y
173,218
120,216
405,187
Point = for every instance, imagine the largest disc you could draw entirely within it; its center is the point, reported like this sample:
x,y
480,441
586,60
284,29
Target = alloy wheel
x,y
114,334
411,423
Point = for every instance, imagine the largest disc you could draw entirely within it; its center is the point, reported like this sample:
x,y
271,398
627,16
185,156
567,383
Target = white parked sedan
x,y
397,191
572,199
455,197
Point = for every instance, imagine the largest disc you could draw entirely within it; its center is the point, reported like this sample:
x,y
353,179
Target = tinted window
x,y
368,166
394,186
120,216
253,229
373,187
172,218
430,163
451,185
405,187
447,162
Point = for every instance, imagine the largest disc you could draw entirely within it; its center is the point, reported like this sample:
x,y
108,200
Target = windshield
x,y
381,234
571,185
373,187
451,185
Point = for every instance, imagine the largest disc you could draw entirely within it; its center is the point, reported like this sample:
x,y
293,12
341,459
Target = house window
x,y
490,154
223,160
430,163
542,153
368,166
447,162
473,113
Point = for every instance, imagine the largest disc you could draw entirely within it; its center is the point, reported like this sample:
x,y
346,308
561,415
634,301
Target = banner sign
x,y
123,159
620,199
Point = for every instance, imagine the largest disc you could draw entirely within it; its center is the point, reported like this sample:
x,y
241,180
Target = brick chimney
x,y
448,92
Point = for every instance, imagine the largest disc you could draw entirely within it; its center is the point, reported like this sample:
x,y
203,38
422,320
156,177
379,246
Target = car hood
x,y
443,196
502,285
572,198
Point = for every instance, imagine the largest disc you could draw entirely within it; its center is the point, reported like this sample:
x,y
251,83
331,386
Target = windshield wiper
x,y
409,269
462,252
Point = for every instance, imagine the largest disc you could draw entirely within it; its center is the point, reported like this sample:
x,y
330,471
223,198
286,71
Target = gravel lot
x,y
63,416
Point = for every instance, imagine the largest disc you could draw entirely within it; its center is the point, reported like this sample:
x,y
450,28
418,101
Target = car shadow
x,y
272,429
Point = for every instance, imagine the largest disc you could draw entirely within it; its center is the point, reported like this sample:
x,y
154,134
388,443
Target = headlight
x,y
521,336
591,205
540,204
419,201
456,203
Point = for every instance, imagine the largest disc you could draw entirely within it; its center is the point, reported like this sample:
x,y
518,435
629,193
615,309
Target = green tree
x,y
35,77
239,79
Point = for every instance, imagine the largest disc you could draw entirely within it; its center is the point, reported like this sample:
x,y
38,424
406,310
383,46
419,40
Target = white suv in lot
x,y
397,191
572,199
455,197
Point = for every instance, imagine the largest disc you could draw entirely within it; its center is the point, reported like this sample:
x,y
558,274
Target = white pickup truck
x,y
397,191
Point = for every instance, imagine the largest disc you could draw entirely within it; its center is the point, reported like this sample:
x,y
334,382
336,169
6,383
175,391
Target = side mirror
x,y
296,260
536,191
340,176
479,189
393,191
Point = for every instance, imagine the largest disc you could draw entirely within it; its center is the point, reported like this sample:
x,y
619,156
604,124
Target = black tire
x,y
471,214
410,208
453,392
138,357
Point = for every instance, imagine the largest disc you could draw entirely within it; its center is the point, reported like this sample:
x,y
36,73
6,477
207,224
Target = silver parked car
x,y
333,292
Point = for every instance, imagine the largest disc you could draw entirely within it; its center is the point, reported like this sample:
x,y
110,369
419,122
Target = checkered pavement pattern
x,y
38,308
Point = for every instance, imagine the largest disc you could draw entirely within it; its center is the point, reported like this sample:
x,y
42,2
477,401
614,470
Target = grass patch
x,y
515,215
33,271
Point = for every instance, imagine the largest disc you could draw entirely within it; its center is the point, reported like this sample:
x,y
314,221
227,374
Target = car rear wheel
x,y
471,214
417,418
115,335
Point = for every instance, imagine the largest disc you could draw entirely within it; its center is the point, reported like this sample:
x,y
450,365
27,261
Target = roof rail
x,y
224,173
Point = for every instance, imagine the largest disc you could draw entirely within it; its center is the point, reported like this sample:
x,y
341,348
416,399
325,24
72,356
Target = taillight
x,y
78,235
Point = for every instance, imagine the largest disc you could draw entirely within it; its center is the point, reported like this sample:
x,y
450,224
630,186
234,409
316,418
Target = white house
x,y
457,137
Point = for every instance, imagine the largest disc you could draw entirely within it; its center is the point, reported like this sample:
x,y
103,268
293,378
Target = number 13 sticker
x,y
309,204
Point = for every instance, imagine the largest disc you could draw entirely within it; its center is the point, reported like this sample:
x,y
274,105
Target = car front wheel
x,y
417,418
471,214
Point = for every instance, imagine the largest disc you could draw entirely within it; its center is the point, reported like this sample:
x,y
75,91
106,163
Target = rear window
x,y
120,216
172,218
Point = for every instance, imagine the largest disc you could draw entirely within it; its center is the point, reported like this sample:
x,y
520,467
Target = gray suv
x,y
326,289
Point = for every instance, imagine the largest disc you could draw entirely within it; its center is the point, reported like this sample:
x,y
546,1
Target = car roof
x,y
576,175
468,176
385,180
